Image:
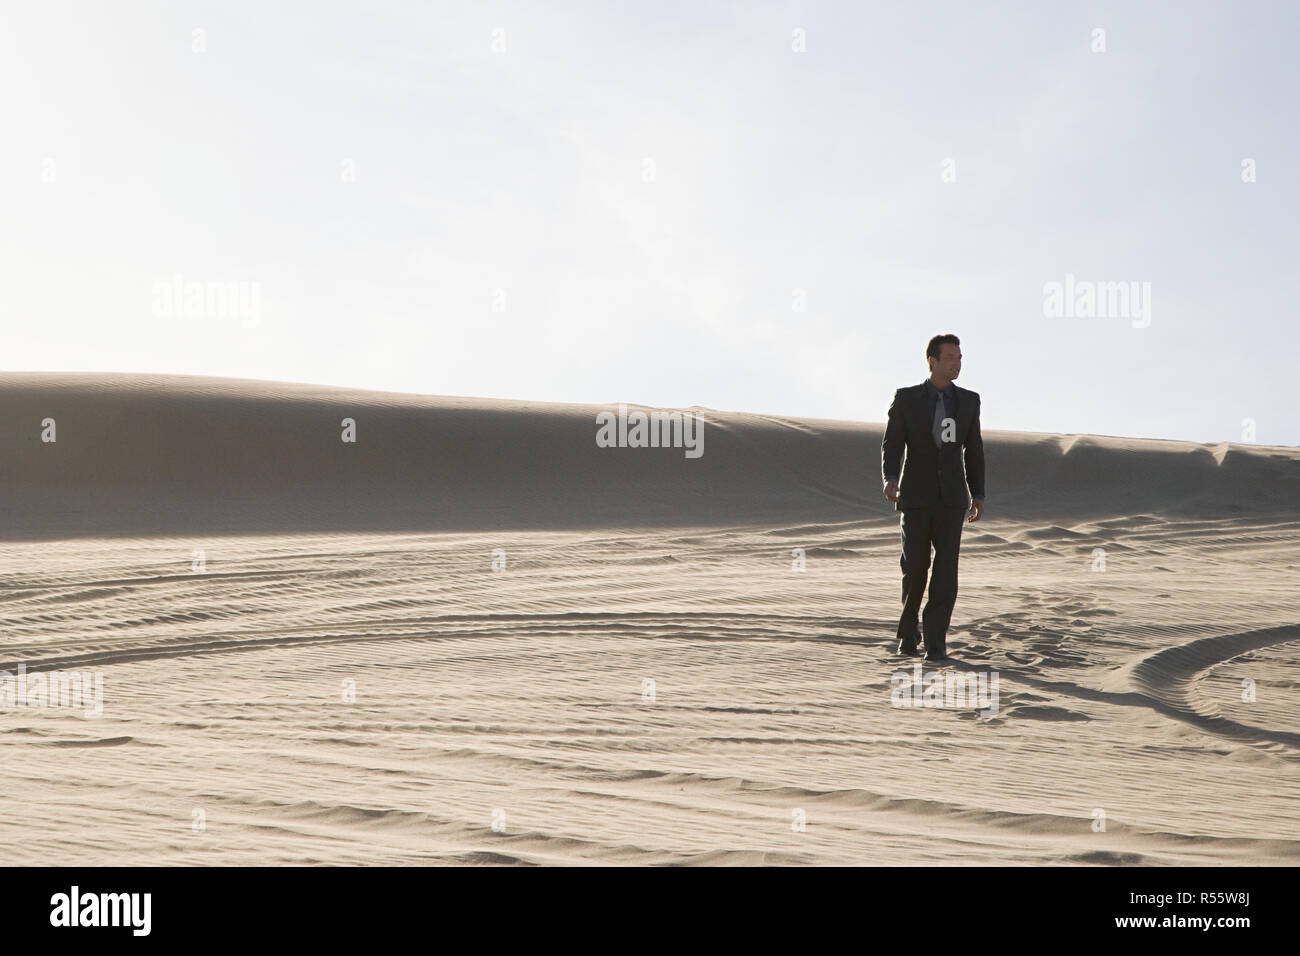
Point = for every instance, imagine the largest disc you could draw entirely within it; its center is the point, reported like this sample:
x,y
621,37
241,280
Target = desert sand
x,y
473,636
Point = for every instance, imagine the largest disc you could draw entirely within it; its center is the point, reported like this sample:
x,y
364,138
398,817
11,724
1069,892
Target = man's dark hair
x,y
935,348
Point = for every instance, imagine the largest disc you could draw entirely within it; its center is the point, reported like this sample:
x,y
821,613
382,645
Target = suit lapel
x,y
919,404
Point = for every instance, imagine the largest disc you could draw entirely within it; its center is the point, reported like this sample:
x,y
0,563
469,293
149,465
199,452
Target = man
x,y
936,421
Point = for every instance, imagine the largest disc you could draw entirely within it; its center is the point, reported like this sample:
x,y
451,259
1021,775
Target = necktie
x,y
939,416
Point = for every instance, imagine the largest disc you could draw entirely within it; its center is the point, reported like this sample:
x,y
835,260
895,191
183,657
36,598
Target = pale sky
x,y
664,203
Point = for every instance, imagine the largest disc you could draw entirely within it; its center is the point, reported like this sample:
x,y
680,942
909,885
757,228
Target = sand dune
x,y
150,455
650,677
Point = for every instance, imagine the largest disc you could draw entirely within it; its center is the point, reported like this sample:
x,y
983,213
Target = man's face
x,y
949,362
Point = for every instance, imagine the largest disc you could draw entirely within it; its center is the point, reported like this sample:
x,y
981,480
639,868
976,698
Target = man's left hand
x,y
976,510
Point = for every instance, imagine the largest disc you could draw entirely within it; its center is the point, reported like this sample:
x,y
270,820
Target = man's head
x,y
944,355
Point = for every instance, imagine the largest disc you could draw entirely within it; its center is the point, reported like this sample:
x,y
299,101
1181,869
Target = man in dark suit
x,y
939,425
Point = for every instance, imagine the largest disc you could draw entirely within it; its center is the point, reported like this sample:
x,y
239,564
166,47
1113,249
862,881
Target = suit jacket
x,y
933,475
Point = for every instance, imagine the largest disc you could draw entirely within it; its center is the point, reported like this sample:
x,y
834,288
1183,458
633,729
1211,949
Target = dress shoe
x,y
908,650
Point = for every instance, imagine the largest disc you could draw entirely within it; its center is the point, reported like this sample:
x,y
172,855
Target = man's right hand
x,y
891,490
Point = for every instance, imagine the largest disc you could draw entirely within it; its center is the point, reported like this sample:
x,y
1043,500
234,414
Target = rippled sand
x,y
518,698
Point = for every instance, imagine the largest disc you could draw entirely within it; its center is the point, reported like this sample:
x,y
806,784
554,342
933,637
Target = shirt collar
x,y
931,390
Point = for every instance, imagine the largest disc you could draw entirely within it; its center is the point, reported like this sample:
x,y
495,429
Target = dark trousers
x,y
923,528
